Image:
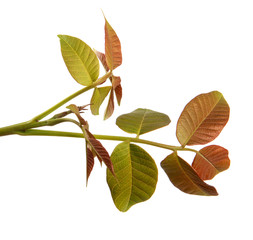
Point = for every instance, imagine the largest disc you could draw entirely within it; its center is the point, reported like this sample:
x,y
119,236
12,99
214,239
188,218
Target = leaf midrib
x,y
141,123
85,69
178,160
188,139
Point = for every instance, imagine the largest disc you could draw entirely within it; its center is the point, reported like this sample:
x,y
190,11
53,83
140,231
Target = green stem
x,y
35,122
67,99
9,130
32,132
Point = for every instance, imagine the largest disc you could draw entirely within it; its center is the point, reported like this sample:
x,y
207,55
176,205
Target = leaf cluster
x,y
83,65
132,173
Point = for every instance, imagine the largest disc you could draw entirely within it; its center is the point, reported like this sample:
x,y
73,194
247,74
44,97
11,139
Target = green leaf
x,y
97,99
136,176
80,60
142,121
202,119
210,161
183,176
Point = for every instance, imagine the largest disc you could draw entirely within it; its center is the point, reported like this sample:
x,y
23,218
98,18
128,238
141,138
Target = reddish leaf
x,y
99,150
116,84
183,176
101,57
76,111
112,47
110,107
118,93
211,161
202,119
89,161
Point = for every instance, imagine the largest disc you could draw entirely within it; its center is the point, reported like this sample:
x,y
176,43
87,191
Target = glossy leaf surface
x,y
142,121
112,47
99,95
80,60
183,176
136,176
211,161
202,119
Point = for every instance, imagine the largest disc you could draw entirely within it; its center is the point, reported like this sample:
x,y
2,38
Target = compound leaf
x,y
136,176
80,60
142,121
210,161
202,119
183,176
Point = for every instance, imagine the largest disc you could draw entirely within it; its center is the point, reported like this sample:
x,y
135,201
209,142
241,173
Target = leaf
x,y
112,47
211,161
110,106
89,161
76,111
202,119
116,84
183,176
142,121
97,99
101,57
136,176
118,93
99,150
80,60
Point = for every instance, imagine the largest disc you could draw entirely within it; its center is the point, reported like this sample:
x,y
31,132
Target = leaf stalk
x,y
36,132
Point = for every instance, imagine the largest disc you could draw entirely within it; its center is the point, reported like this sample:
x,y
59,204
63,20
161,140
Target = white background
x,y
172,51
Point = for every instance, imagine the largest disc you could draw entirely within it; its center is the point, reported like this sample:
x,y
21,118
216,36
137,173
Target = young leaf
x,y
142,121
112,47
211,161
99,151
183,176
110,106
101,57
76,111
93,146
80,60
136,176
116,84
114,79
202,119
89,161
97,99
